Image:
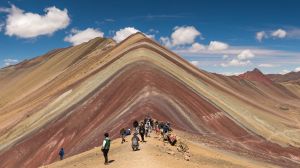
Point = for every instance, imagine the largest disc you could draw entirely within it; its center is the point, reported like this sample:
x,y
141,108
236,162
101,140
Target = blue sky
x,y
220,36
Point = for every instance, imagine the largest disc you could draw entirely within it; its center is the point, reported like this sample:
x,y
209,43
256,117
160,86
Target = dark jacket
x,y
142,130
61,152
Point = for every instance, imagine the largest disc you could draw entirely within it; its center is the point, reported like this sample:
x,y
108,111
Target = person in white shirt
x,y
105,147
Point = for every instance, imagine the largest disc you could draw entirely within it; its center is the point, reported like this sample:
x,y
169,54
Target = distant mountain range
x,y
289,77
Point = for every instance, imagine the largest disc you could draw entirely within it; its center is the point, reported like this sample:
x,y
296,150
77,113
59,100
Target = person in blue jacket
x,y
61,153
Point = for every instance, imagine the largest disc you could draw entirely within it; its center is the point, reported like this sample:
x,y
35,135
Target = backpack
x,y
107,143
142,131
61,152
134,142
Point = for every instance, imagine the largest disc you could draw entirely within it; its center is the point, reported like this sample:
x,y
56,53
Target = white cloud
x,y
297,69
235,50
196,47
1,26
245,54
4,10
261,35
166,41
80,36
8,62
28,25
184,35
280,33
124,33
285,71
195,63
152,36
236,62
294,33
231,73
217,45
242,59
153,31
225,56
267,65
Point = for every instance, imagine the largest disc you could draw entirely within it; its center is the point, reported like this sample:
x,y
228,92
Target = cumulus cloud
x,y
217,45
80,36
279,33
8,62
195,63
236,62
124,33
166,41
242,59
4,10
261,35
29,25
184,35
297,69
196,47
267,65
225,56
245,54
1,26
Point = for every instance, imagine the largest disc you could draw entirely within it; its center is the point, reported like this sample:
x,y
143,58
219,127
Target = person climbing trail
x,y
105,147
136,126
142,131
148,128
61,153
166,130
123,135
135,142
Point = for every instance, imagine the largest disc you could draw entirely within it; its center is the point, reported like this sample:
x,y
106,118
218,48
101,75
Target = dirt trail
x,y
153,154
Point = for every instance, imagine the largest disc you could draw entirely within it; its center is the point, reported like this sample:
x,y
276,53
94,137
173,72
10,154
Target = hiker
x,y
123,135
128,131
169,126
152,122
161,126
135,142
165,131
156,127
61,153
136,126
172,139
105,147
148,128
166,127
142,131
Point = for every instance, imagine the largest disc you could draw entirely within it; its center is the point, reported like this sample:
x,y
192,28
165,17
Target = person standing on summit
x,y
105,147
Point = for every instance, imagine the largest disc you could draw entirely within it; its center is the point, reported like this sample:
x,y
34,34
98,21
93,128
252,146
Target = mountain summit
x,y
256,75
71,96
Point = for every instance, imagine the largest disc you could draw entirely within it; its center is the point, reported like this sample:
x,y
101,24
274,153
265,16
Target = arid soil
x,y
69,97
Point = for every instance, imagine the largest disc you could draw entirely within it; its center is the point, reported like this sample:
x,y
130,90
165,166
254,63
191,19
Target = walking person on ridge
x,y
105,147
61,153
142,131
123,135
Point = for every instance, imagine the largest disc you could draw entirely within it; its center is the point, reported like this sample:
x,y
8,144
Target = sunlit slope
x,y
100,86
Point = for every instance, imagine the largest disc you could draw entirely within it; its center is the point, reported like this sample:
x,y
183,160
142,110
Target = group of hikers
x,y
143,129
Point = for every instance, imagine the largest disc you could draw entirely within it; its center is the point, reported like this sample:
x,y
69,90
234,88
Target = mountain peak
x,y
256,70
256,75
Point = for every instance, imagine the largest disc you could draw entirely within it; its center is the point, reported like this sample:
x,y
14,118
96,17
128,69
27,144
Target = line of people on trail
x,y
144,129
